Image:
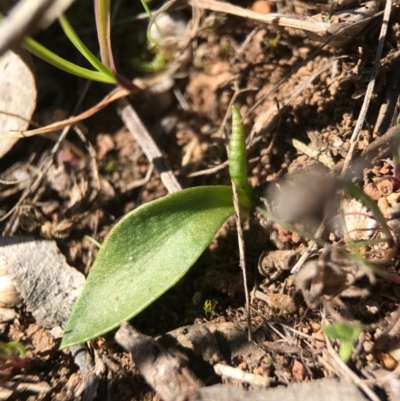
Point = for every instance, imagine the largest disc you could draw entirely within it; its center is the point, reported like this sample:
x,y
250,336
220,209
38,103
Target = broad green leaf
x,y
343,331
144,255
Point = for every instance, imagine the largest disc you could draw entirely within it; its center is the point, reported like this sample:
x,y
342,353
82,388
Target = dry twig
x,y
242,258
149,147
166,373
336,33
364,109
238,374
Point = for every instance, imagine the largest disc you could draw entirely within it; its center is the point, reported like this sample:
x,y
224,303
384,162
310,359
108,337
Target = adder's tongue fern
x,y
237,155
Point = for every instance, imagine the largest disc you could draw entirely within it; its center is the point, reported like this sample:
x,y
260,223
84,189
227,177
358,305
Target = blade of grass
x,y
151,41
47,55
76,41
103,21
153,20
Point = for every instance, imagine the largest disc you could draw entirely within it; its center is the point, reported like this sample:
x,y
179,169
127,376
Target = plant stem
x,y
47,55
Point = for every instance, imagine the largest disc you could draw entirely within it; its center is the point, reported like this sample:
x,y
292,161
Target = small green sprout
x,y
153,66
333,7
347,334
13,356
209,306
271,43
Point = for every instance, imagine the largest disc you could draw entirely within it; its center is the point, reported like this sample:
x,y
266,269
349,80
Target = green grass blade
x,y
151,41
47,55
76,41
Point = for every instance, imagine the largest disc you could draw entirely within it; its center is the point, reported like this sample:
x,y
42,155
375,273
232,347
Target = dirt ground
x,y
92,183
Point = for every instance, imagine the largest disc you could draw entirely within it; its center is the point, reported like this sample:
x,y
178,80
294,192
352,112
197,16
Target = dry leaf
x,y
18,95
113,95
357,223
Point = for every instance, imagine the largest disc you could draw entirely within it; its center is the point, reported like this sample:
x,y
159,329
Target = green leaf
x,y
343,331
347,334
144,255
50,57
82,48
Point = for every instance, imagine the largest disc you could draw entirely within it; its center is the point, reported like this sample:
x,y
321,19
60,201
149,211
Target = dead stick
x,y
380,148
165,372
149,147
368,94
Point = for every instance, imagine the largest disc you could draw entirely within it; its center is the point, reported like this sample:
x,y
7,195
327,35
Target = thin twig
x,y
238,374
377,150
167,373
142,181
336,33
364,109
242,259
149,147
314,27
210,170
322,157
382,380
388,114
311,248
14,182
43,168
243,45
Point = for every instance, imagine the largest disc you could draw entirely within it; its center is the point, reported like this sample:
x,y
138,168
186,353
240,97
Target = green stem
x,y
47,55
76,41
102,13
